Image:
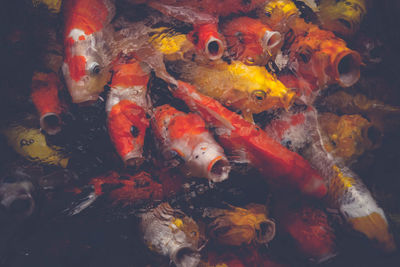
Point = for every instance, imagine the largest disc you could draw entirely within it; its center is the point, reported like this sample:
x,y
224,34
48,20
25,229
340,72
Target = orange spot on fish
x,y
77,67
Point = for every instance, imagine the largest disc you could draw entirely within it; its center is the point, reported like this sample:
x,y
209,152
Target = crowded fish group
x,y
201,119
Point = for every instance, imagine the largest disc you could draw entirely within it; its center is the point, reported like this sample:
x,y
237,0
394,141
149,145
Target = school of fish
x,y
183,84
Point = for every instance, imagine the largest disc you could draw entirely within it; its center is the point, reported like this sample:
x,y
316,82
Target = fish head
x,y
342,17
85,70
207,39
325,59
278,14
251,41
17,195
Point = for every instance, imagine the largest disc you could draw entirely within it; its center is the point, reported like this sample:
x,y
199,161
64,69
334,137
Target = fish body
x,y
86,47
278,165
250,41
310,231
44,95
185,136
171,233
342,17
127,106
322,59
251,89
31,144
346,191
240,226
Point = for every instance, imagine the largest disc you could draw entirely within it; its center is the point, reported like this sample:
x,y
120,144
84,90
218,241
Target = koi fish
x,y
31,144
309,228
240,226
278,14
127,105
44,95
348,136
322,59
250,89
17,194
251,41
207,39
342,17
87,36
346,191
127,189
54,6
205,9
186,136
171,233
278,165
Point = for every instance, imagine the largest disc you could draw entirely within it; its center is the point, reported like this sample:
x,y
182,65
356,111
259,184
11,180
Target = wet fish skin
x,y
185,136
251,41
346,192
171,233
127,107
278,165
44,95
87,36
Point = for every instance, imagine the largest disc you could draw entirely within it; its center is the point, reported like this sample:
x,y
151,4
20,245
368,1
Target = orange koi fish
x,y
279,166
126,107
309,228
251,41
346,192
45,87
206,38
186,136
86,50
322,59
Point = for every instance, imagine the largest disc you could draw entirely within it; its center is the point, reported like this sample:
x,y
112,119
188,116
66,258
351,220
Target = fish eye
x,y
305,55
95,68
267,14
259,95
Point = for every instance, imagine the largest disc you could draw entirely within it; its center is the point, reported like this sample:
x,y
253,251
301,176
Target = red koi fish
x,y
251,41
87,55
126,107
309,228
132,188
279,165
186,136
347,194
322,59
45,87
206,38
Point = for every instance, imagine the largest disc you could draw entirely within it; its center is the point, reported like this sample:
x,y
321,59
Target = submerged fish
x,y
44,95
250,89
127,106
342,17
279,166
322,59
251,41
171,233
87,37
240,226
309,229
346,191
278,14
185,136
31,144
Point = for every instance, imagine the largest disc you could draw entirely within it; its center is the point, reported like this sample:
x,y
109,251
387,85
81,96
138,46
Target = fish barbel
x,y
86,47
